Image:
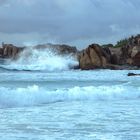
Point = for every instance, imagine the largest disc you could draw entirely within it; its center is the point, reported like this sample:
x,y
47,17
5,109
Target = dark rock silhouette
x,y
133,74
10,51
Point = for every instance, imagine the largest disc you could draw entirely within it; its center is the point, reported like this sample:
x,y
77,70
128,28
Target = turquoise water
x,y
68,104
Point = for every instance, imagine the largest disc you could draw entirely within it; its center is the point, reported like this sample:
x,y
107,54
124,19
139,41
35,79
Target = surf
x,y
36,95
48,59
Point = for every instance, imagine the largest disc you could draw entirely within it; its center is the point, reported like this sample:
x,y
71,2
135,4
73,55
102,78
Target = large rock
x,y
9,51
94,57
130,54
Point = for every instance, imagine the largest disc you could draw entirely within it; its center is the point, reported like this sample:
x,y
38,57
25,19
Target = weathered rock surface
x,y
130,54
134,56
115,55
9,51
126,56
94,57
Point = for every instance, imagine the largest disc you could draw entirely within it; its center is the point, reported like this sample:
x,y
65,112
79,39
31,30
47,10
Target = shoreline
x,y
95,56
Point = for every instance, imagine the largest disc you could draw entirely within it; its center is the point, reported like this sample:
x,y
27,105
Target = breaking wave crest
x,y
45,59
35,95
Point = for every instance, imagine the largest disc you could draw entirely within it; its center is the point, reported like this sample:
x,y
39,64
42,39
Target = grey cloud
x,y
70,21
3,1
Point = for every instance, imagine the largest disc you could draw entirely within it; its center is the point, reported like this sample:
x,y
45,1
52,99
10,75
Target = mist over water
x,y
42,59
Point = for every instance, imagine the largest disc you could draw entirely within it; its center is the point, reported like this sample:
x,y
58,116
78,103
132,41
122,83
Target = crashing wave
x,y
42,59
35,95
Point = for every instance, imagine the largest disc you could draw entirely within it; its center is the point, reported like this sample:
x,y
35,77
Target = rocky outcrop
x,y
115,55
94,57
9,51
130,54
126,56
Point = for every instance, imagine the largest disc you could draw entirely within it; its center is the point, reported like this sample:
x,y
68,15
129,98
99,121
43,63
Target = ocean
x,y
42,99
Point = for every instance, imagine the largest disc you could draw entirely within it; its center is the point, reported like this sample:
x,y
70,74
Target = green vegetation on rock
x,y
122,43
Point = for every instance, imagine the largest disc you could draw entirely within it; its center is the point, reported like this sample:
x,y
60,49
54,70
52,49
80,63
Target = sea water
x,y
56,103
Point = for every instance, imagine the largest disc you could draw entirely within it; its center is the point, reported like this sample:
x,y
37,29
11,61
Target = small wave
x,y
35,95
37,59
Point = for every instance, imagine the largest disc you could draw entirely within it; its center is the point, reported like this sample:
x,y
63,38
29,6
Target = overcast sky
x,y
74,22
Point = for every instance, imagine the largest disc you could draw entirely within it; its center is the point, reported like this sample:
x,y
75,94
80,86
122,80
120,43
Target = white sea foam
x,y
35,95
45,59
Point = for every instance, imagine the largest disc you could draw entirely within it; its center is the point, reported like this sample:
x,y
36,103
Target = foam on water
x,y
45,59
35,95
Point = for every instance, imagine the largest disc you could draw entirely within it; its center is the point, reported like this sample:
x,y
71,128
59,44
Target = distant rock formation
x,y
10,51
